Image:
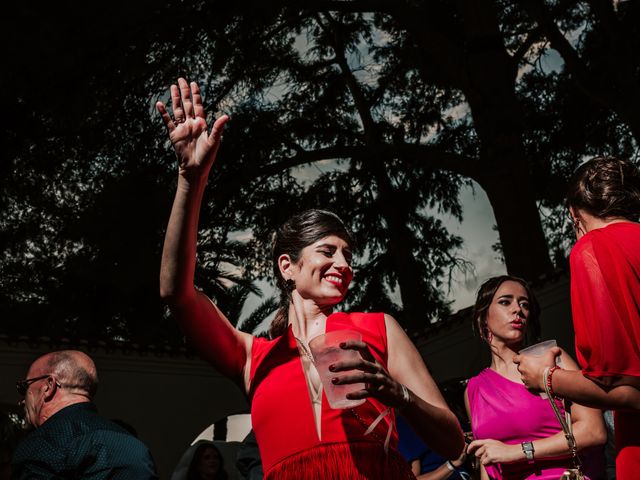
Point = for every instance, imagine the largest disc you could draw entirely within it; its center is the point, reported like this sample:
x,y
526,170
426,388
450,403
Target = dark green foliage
x,y
381,112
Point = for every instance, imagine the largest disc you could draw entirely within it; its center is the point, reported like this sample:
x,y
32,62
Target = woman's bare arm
x,y
426,412
573,385
207,328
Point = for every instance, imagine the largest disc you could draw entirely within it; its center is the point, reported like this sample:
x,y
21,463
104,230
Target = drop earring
x,y
289,285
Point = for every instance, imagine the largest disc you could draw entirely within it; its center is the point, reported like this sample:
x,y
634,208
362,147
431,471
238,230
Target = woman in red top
x,y
604,204
299,435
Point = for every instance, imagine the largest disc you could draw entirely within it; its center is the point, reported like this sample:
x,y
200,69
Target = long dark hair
x,y
606,187
483,301
298,232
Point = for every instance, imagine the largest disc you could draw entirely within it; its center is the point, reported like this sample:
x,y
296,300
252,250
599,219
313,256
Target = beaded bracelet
x,y
549,380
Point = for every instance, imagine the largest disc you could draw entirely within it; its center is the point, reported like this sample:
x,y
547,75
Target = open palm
x,y
195,148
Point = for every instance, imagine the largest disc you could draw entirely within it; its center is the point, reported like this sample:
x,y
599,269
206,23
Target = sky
x,y
478,233
476,230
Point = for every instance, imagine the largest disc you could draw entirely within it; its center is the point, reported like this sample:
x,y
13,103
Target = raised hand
x,y
195,147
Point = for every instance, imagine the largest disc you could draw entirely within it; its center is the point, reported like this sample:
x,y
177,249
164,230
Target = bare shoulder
x,y
393,327
397,339
401,349
407,366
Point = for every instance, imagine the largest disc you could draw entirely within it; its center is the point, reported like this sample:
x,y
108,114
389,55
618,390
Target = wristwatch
x,y
527,448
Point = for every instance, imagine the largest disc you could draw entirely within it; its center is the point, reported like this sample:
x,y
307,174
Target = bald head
x,y
75,370
57,380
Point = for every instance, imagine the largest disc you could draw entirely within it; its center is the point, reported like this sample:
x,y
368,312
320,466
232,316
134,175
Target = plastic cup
x,y
326,351
538,350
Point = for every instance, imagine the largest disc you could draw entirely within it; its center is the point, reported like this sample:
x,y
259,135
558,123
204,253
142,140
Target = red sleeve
x,y
605,301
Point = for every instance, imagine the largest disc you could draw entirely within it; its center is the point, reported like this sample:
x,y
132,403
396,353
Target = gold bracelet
x,y
406,397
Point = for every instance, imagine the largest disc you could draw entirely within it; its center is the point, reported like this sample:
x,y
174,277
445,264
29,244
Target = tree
x,y
407,102
602,62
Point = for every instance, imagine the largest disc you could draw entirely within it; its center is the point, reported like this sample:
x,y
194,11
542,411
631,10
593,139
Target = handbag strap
x,y
564,422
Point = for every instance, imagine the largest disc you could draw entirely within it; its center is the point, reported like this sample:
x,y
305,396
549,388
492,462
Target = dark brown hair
x,y
483,301
298,232
606,187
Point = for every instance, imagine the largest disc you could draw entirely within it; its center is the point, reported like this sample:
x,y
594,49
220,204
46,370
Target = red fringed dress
x,y
605,300
283,419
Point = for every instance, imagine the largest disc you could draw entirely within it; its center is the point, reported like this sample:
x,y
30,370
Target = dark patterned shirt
x,y
78,443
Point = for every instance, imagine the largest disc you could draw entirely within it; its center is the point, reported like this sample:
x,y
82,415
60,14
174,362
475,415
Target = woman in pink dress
x,y
298,433
604,204
517,435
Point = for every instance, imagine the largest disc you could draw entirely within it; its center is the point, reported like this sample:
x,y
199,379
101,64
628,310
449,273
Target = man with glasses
x,y
70,439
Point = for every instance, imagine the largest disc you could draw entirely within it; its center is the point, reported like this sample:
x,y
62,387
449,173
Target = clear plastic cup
x,y
538,350
326,351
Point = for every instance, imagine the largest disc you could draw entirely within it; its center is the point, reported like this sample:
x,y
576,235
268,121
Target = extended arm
x,y
426,411
577,387
604,300
573,385
207,328
421,403
588,430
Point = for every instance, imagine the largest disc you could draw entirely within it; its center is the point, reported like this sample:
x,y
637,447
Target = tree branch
x,y
353,6
532,37
573,62
359,99
430,156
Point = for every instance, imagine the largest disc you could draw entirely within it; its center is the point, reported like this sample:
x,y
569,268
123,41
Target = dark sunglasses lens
x,y
22,388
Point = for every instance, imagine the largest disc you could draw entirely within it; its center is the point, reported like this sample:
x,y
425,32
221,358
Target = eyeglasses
x,y
23,385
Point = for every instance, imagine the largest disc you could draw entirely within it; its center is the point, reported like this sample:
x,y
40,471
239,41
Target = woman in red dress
x,y
604,204
298,434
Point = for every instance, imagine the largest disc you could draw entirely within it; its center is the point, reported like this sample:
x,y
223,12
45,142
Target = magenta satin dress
x,y
506,411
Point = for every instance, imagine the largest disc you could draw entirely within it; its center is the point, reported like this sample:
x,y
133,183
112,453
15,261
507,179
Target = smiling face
x,y
508,314
323,272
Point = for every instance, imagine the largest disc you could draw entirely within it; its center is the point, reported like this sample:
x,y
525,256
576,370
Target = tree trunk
x,y
523,243
610,79
401,240
478,63
400,245
505,173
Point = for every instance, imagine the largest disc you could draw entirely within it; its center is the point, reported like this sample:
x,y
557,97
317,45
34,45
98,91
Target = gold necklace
x,y
305,350
316,395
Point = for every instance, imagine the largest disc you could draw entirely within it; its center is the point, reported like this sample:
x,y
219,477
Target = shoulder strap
x,y
565,422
